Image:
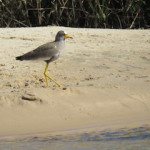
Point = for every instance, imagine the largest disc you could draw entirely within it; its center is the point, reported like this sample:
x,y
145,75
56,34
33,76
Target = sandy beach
x,y
105,74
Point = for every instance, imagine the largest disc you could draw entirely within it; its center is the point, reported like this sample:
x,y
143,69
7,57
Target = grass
x,y
120,14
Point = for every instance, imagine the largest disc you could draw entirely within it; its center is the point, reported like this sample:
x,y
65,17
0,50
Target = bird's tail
x,y
19,58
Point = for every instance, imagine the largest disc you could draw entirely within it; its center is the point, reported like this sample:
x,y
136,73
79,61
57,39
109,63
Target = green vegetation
x,y
76,13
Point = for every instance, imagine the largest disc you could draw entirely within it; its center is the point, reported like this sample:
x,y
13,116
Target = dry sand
x,y
106,72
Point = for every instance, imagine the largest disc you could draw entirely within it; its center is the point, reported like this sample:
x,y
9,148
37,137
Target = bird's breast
x,y
61,45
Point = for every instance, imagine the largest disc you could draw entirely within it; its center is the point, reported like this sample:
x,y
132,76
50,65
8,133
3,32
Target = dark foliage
x,y
76,13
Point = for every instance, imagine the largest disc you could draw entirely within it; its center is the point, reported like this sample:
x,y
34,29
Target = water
x,y
122,139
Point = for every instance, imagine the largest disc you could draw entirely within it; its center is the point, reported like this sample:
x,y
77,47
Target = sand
x,y
106,74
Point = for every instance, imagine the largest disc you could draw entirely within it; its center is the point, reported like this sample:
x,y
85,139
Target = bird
x,y
48,52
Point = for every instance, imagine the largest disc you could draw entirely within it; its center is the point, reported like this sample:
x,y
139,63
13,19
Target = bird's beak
x,y
68,36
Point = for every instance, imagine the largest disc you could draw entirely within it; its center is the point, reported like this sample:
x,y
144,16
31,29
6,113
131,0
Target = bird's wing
x,y
44,52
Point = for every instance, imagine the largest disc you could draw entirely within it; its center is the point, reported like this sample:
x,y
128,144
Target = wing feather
x,y
44,52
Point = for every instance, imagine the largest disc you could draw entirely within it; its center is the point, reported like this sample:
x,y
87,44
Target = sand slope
x,y
106,73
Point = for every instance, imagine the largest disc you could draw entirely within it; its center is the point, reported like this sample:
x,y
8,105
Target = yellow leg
x,y
48,77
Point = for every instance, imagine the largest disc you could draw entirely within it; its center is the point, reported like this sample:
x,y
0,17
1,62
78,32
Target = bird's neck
x,y
58,39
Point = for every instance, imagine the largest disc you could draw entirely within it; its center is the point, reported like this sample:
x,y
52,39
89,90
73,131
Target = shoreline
x,y
80,130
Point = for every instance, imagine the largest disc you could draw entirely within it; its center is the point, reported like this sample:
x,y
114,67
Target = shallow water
x,y
122,139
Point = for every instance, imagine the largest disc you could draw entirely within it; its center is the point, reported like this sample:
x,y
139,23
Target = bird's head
x,y
62,35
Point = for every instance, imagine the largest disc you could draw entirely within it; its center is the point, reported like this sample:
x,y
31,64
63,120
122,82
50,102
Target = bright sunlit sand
x,y
106,74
